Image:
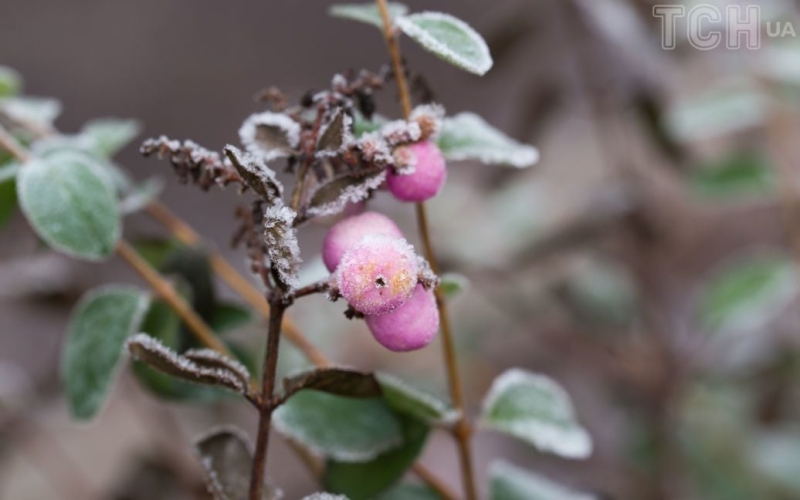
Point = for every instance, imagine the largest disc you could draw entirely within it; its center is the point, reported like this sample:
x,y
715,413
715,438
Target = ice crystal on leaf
x,y
281,239
270,135
255,173
333,197
336,134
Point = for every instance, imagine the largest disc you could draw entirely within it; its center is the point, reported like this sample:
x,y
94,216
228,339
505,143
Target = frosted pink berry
x,y
427,178
411,326
347,232
378,274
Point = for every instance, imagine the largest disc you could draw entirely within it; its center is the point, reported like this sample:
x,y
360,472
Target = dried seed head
x,y
429,118
378,274
411,326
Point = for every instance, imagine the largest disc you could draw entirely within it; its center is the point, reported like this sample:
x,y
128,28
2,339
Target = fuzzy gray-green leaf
x,y
535,409
450,39
508,482
345,429
110,135
367,12
99,327
467,136
70,206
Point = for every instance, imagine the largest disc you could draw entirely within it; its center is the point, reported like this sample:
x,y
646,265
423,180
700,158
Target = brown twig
x,y
268,387
10,144
461,429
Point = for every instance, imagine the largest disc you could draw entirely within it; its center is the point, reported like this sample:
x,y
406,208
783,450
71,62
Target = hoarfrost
x,y
270,135
258,176
282,247
349,189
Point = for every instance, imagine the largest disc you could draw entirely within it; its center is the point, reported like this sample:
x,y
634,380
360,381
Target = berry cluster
x,y
377,271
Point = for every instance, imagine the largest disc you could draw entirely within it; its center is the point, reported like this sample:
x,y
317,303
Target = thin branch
x,y
167,292
12,145
268,388
461,430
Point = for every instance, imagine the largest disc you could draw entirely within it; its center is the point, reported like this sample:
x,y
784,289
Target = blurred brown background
x,y
583,81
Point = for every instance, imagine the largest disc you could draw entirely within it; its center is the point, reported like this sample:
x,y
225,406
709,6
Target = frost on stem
x,y
152,352
270,135
255,173
209,358
280,236
192,162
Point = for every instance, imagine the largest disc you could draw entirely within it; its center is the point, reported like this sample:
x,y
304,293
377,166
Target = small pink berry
x,y
427,179
378,274
411,326
347,232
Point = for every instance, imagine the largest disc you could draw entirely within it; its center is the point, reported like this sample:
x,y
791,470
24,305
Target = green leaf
x,y
535,409
8,192
338,381
404,398
717,113
70,206
10,82
110,135
99,327
82,145
141,195
367,12
363,481
362,125
740,173
410,491
448,38
325,496
509,482
344,429
227,459
37,110
229,316
747,294
453,284
467,136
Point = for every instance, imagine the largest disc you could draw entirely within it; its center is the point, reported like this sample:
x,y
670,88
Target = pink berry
x,y
411,326
427,179
347,232
378,274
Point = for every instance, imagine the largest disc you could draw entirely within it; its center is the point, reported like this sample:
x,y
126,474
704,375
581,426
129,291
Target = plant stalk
x,y
461,430
268,388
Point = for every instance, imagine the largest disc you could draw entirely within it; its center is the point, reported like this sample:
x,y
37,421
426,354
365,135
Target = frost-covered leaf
x,y
738,174
255,173
537,410
453,284
332,197
325,496
339,381
151,351
746,295
98,329
142,195
367,12
270,135
8,191
10,82
363,481
409,400
449,38
84,146
37,110
344,429
410,491
467,136
717,113
281,238
211,359
110,135
335,135
508,482
226,455
70,206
